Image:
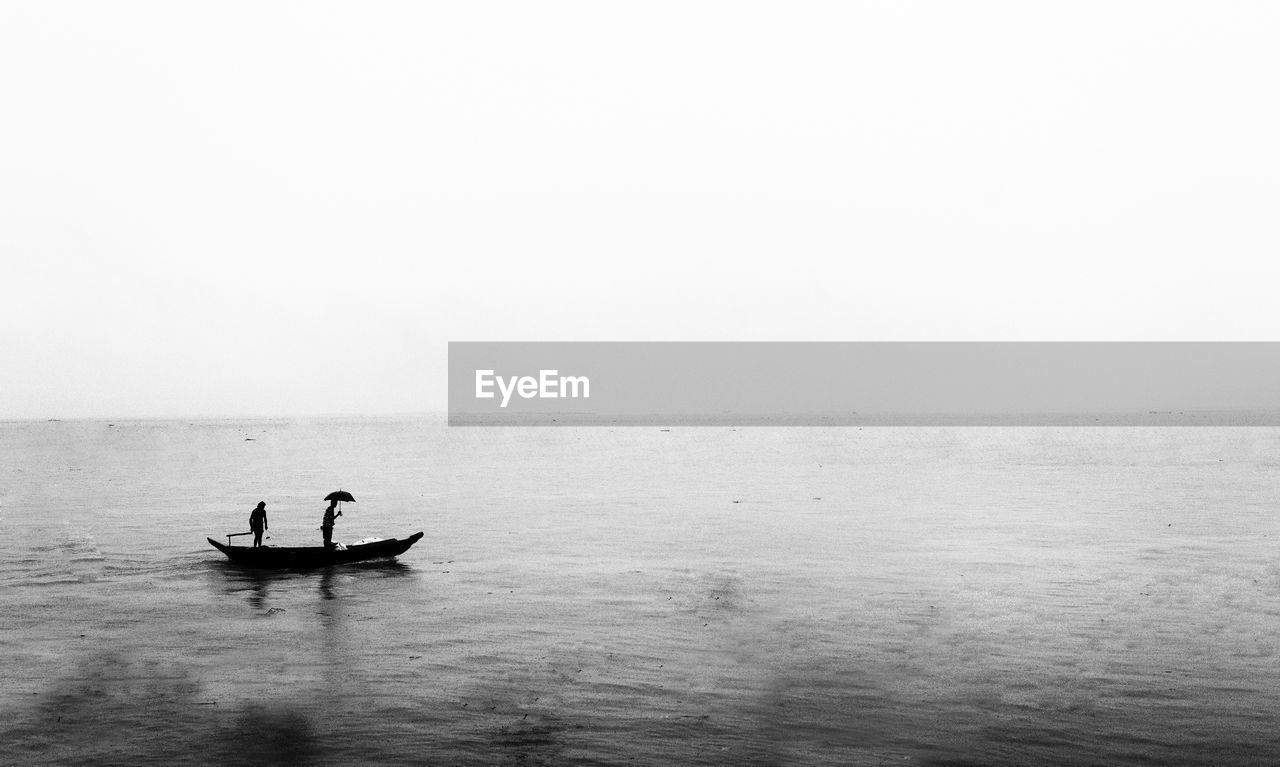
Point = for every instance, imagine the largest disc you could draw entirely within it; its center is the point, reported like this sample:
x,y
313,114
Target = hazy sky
x,y
275,208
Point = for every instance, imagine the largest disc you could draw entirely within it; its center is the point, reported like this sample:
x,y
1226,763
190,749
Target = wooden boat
x,y
303,557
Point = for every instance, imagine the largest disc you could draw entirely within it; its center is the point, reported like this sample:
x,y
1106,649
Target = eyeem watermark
x,y
864,384
549,384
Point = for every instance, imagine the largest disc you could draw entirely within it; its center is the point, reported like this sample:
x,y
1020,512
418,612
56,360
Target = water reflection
x,y
258,593
229,579
326,584
256,585
389,567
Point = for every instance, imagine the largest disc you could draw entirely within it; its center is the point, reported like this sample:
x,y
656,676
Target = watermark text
x,y
548,384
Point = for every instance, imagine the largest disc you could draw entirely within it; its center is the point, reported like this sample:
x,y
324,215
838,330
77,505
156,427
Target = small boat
x,y
303,557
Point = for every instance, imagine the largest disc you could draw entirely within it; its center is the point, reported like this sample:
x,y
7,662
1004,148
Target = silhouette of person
x,y
258,522
326,526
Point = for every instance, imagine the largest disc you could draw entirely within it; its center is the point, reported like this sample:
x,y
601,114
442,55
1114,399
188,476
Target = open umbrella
x,y
341,496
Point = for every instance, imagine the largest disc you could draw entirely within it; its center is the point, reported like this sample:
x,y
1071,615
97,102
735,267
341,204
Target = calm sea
x,y
643,596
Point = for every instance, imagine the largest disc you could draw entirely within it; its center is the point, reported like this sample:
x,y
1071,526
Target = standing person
x,y
258,522
326,526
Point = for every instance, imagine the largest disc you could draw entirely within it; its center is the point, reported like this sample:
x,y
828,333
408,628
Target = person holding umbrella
x,y
326,526
258,522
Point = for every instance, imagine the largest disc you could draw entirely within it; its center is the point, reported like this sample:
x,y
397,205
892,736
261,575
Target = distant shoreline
x,y
1179,418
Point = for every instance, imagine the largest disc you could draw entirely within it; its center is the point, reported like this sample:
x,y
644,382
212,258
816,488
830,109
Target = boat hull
x,y
307,557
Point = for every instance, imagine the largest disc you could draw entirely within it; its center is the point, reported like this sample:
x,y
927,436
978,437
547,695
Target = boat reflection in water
x,y
259,585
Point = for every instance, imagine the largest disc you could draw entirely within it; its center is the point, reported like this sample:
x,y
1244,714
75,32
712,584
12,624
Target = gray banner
x,y
872,384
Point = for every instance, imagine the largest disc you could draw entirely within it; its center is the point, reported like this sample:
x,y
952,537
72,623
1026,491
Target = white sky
x,y
270,208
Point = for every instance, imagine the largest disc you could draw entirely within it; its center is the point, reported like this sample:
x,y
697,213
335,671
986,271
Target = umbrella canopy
x,y
340,495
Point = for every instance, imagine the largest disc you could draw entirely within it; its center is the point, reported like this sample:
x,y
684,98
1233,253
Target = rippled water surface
x,y
643,596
